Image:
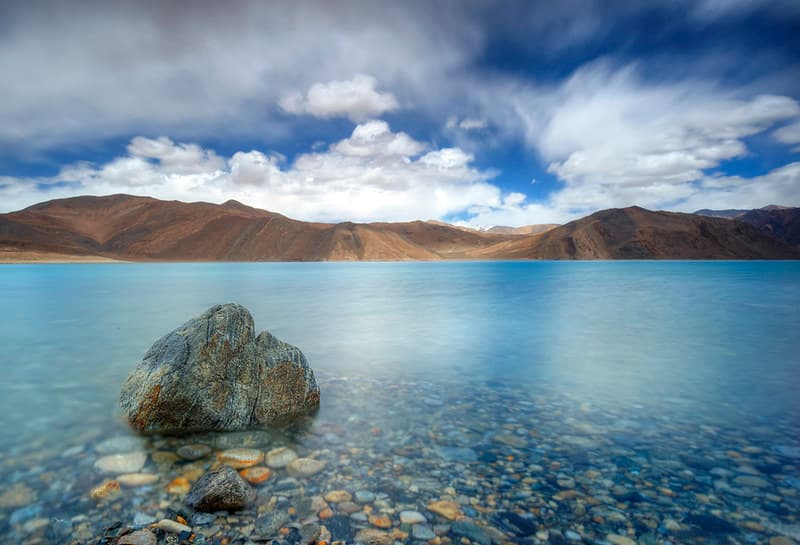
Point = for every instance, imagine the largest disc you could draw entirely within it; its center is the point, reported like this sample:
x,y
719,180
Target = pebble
x,y
139,537
422,532
194,451
105,490
572,536
136,479
338,496
471,531
364,496
749,480
17,495
781,540
130,462
448,509
305,467
617,539
239,458
412,517
380,521
172,526
256,474
369,536
280,457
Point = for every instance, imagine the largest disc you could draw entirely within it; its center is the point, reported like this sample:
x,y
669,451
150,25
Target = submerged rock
x,y
220,489
214,373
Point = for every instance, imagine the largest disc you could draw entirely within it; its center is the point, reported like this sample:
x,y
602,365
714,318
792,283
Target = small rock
x,y
412,517
448,509
194,452
572,536
370,536
116,445
220,489
256,475
239,458
179,486
364,496
280,457
471,531
781,540
269,524
17,495
348,507
305,467
172,526
143,519
750,480
422,532
139,537
338,496
130,462
617,539
380,521
105,490
136,479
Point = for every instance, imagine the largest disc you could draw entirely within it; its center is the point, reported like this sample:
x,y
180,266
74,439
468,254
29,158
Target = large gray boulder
x,y
214,373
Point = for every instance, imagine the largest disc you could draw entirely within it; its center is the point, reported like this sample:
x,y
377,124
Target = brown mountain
x,y
142,228
782,222
636,233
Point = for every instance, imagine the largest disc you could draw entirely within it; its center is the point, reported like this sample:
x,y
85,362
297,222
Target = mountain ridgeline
x,y
145,229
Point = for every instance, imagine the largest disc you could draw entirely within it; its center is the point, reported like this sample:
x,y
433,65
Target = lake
x,y
535,402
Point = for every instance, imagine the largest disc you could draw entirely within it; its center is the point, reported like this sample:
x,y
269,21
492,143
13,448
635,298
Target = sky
x,y
474,112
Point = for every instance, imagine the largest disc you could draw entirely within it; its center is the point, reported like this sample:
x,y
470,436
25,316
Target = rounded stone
x,y
412,517
130,462
221,489
256,475
280,457
136,479
194,452
239,458
305,467
338,496
139,537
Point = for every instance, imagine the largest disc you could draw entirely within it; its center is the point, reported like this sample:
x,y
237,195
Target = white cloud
x,y
790,134
356,98
375,174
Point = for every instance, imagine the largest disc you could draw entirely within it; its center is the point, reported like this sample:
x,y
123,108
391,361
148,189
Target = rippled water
x,y
668,379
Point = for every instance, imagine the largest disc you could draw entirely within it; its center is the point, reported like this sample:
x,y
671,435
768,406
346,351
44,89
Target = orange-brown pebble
x,y
284,531
105,490
255,475
435,541
326,513
239,458
338,496
292,511
380,521
179,485
180,519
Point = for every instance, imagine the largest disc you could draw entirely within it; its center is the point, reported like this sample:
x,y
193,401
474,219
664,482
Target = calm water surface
x,y
653,400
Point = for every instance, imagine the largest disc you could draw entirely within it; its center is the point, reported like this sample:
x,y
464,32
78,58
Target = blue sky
x,y
476,112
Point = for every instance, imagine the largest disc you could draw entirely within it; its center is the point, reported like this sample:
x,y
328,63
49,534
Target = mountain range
x,y
131,228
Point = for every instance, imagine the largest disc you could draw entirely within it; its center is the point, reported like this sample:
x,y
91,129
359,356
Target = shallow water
x,y
655,400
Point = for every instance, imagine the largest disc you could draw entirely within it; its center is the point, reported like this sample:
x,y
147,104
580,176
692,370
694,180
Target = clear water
x,y
616,344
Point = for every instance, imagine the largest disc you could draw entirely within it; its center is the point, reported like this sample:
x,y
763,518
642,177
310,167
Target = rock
x,y
239,458
172,526
256,475
514,523
143,519
179,486
220,489
511,440
139,537
269,524
781,540
136,479
749,480
348,507
412,517
370,536
422,532
280,457
617,539
456,454
448,509
471,531
213,373
710,525
364,496
338,496
194,452
380,521
17,495
305,467
105,490
130,462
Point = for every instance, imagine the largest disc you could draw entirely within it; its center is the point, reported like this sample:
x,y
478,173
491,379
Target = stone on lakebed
x,y
214,373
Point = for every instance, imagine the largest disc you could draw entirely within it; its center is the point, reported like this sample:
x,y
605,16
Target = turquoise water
x,y
700,343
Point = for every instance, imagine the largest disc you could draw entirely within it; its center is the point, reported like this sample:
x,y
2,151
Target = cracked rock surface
x,y
214,374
